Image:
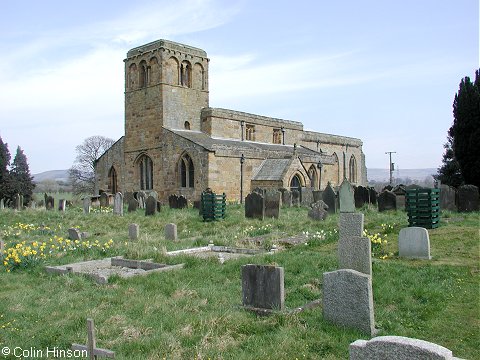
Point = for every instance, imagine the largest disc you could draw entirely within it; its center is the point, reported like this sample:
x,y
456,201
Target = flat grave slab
x,y
221,252
102,270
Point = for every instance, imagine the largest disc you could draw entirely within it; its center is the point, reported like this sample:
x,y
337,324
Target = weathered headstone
x,y
330,198
346,197
171,232
159,206
306,196
2,247
104,200
388,188
372,195
255,206
173,201
348,300
74,234
398,348
319,210
182,202
49,202
150,206
62,205
468,198
317,195
18,204
141,198
87,203
447,198
118,204
387,200
133,231
355,252
127,196
2,204
414,242
295,197
272,203
154,194
286,197
361,196
263,287
351,224
132,205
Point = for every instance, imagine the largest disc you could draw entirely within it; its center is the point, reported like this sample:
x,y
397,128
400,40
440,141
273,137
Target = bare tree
x,y
82,172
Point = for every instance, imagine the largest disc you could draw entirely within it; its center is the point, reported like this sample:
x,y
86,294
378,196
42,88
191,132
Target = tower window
x,y
352,170
186,74
250,132
186,125
144,74
145,167
277,136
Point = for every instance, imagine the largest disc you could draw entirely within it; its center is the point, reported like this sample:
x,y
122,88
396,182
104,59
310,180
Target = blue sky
x,y
383,71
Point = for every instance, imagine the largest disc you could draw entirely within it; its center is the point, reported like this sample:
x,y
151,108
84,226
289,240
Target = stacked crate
x,y
213,206
423,207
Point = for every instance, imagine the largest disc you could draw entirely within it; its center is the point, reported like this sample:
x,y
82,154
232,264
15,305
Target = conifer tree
x,y
4,174
449,173
21,178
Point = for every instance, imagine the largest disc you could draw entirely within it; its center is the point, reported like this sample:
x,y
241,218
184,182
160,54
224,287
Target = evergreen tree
x,y
4,174
21,178
449,173
465,131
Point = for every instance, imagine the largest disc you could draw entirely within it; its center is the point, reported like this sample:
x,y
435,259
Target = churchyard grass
x,y
196,313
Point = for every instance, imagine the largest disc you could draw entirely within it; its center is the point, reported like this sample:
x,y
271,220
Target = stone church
x,y
174,143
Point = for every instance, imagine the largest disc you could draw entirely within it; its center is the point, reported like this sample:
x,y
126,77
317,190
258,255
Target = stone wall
x,y
113,157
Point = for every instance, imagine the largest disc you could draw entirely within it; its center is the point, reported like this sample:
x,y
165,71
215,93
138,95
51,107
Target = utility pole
x,y
392,165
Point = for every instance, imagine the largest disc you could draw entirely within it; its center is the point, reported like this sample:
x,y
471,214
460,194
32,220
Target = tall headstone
x,y
87,203
286,198
447,198
361,195
414,242
348,300
118,204
150,206
306,196
263,287
2,204
330,198
141,198
173,201
133,231
18,204
272,203
171,232
387,200
468,198
132,205
104,200
372,195
295,197
346,197
255,206
355,252
398,348
182,202
62,205
351,224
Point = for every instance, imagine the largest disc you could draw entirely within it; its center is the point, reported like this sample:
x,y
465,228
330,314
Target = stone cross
x,y
91,347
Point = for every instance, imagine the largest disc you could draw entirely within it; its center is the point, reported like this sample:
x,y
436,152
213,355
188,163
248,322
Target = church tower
x,y
166,85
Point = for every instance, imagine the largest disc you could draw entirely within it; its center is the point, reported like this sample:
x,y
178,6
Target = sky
x,y
383,71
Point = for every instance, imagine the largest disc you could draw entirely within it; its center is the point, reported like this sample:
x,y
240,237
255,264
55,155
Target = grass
x,y
195,313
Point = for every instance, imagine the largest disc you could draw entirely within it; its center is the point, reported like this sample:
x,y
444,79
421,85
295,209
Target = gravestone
x,y
346,197
171,232
286,197
87,203
306,196
295,197
361,196
388,187
467,198
263,287
74,234
259,191
104,200
62,205
355,252
2,204
91,348
447,198
387,200
133,231
41,203
159,206
319,210
182,202
132,205
150,206
372,195
330,198
141,198
118,204
414,242
255,206
272,203
173,201
317,195
154,194
49,202
351,224
17,202
128,196
398,348
348,300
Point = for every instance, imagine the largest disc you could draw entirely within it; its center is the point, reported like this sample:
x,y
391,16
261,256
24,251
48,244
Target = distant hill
x,y
380,175
56,175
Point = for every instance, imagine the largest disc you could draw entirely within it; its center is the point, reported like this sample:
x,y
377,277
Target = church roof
x,y
273,169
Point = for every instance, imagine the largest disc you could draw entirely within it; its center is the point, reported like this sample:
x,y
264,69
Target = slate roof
x,y
273,169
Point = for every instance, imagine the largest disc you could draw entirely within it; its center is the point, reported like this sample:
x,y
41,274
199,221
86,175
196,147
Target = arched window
x,y
145,167
187,172
172,71
336,171
112,180
186,74
132,74
352,170
312,174
295,183
186,125
144,74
